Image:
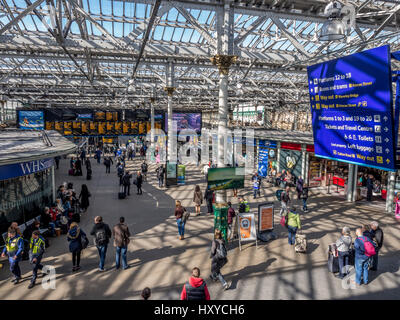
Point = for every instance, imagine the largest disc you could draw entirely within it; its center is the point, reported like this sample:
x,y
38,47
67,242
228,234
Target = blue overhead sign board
x,y
351,106
24,168
264,151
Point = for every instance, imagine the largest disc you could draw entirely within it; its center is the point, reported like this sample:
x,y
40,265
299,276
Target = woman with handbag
x,y
181,216
197,199
77,242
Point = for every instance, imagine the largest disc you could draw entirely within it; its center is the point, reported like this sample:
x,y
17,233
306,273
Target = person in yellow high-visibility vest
x,y
36,250
13,249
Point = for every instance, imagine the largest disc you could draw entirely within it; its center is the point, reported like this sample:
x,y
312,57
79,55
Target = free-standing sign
x,y
351,106
171,174
31,120
246,228
265,217
181,174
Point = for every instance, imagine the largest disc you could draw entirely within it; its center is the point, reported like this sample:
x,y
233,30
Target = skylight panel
x,y
106,7
172,15
157,34
118,8
140,10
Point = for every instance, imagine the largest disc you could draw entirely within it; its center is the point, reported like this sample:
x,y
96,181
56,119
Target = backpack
x,y
84,241
279,194
368,248
221,253
101,236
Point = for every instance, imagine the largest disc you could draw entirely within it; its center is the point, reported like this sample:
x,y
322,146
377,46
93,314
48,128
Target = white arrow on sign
x,y
386,129
385,118
387,140
387,150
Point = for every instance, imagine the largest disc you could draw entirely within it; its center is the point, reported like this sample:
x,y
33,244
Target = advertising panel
x,y
181,174
265,217
24,168
351,106
225,178
247,227
31,120
185,121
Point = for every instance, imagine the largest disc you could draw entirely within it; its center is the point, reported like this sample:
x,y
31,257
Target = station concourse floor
x,y
159,260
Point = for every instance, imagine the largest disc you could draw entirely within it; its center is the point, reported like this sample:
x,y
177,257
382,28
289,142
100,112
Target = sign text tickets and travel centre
x,y
351,106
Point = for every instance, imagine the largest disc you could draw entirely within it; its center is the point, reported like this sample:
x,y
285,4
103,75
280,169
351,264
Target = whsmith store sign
x,y
24,168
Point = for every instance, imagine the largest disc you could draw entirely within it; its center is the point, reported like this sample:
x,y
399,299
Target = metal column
x,y
53,183
223,60
303,162
278,156
170,90
390,191
352,183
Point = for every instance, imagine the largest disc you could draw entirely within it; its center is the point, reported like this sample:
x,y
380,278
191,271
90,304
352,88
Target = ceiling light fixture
x,y
333,29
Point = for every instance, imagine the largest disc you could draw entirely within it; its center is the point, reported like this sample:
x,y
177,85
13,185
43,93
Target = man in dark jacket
x,y
144,169
209,195
160,175
138,182
126,181
195,288
107,162
102,235
370,187
121,236
377,236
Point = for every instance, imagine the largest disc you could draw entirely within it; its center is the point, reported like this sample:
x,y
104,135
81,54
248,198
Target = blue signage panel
x,y
31,120
24,168
351,106
263,155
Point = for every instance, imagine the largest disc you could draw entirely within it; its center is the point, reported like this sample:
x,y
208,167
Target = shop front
x,y
25,189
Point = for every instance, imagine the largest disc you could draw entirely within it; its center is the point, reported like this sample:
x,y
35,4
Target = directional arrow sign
x,y
386,129
388,161
387,150
387,140
385,118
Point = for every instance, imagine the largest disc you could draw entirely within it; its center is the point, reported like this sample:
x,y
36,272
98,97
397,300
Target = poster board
x,y
181,173
31,120
225,178
246,223
265,216
171,174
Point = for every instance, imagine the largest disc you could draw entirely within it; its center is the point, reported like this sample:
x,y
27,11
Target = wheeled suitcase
x,y
300,244
71,172
121,193
333,263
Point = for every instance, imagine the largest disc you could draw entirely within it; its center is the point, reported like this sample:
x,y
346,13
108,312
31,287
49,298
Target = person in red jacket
x,y
195,288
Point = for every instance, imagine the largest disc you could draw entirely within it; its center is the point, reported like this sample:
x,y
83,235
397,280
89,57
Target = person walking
x,y
299,187
343,245
231,224
209,196
121,235
88,164
139,182
304,197
83,155
377,236
120,172
36,250
98,155
370,187
13,249
144,169
362,247
294,224
196,288
84,197
197,199
75,236
179,211
256,184
285,199
57,160
160,175
102,235
219,259
126,181
78,167
107,162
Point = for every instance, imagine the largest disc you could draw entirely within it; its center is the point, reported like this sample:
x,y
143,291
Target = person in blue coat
x,y
13,249
74,238
361,259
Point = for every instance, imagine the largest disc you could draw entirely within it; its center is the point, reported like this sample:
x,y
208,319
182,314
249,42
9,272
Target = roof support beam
x,y
21,16
291,38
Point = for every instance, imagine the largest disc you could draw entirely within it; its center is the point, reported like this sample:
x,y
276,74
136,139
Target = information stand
x,y
171,173
181,174
246,228
266,222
